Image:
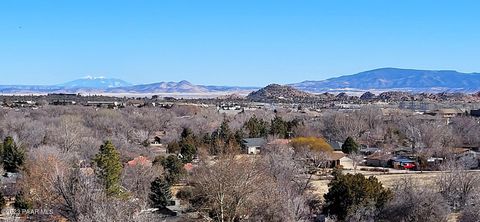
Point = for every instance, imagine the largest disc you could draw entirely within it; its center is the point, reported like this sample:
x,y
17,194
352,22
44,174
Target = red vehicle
x,y
409,166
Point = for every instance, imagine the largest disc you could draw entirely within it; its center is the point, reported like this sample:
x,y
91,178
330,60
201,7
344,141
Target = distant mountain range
x,y
95,83
397,79
110,85
385,79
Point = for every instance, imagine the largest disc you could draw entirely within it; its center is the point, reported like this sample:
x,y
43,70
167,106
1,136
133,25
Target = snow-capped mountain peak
x,y
90,82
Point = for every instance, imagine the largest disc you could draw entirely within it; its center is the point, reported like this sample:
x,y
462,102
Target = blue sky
x,y
232,42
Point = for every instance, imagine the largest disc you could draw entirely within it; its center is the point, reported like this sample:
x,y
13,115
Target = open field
x,y
388,180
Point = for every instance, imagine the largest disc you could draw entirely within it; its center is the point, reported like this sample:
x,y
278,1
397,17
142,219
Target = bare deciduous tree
x,y
416,203
456,184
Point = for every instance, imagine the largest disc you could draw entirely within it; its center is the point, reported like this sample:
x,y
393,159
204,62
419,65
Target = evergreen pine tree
x,y
188,152
279,127
174,169
109,168
350,146
160,194
13,156
224,131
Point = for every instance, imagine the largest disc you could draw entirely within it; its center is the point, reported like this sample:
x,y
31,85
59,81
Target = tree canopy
x,y
13,156
350,146
160,194
109,168
351,190
313,143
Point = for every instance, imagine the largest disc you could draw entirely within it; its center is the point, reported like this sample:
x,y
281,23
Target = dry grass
x,y
388,180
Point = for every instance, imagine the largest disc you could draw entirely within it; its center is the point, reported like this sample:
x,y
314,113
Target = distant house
x,y
336,145
470,156
253,145
24,103
63,102
104,104
140,161
335,159
230,109
188,167
446,113
378,159
135,103
403,151
156,138
369,151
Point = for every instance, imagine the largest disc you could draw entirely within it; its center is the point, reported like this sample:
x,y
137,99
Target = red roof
x,y
188,167
141,160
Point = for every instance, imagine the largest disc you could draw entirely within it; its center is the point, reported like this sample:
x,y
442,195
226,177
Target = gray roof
x,y
254,142
336,145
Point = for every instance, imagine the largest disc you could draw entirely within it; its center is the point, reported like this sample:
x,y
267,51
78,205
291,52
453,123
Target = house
x,y
103,104
403,151
336,145
24,103
335,159
369,151
468,156
378,159
139,161
156,138
445,113
63,102
253,145
188,167
135,103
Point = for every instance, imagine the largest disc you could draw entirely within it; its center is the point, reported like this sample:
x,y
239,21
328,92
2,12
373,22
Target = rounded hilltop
x,y
278,93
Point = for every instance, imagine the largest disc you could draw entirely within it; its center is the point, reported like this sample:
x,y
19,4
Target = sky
x,y
232,42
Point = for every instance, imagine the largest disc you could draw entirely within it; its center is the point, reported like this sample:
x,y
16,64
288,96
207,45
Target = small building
x,y
140,161
136,103
63,102
156,138
103,104
403,151
378,159
336,145
335,159
369,151
24,103
468,156
445,113
254,145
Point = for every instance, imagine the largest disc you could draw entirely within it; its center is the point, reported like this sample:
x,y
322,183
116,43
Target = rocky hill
x,y
280,93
